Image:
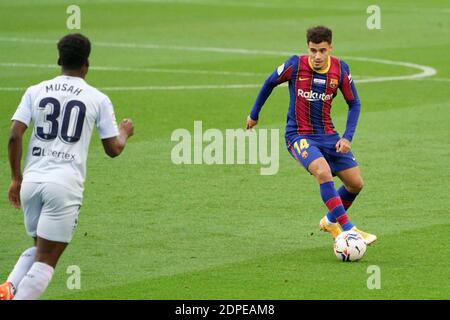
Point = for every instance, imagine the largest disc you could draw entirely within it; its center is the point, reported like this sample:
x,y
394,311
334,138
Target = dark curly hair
x,y
74,50
319,34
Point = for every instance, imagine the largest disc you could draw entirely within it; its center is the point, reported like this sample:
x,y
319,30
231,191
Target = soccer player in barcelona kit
x,y
62,113
311,138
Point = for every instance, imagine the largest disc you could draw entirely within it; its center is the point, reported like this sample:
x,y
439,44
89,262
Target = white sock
x,y
35,282
22,266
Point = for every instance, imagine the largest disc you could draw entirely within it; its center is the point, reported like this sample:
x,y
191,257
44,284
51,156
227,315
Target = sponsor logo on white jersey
x,y
314,96
42,152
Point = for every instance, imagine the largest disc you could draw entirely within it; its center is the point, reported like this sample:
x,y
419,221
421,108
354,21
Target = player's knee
x,y
323,175
356,187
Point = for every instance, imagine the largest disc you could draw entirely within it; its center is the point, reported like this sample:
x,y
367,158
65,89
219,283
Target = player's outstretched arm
x,y
280,75
348,89
15,155
115,145
263,95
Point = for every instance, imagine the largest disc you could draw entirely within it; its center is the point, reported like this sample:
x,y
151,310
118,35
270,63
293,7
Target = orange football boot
x,y
6,291
333,228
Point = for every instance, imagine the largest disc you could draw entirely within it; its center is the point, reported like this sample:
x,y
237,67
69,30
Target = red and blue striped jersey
x,y
311,94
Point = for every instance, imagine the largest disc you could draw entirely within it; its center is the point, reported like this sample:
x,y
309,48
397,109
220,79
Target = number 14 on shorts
x,y
303,145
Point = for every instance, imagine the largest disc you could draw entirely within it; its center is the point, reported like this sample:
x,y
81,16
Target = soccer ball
x,y
349,246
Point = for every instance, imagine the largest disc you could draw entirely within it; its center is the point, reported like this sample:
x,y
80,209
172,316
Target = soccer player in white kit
x,y
62,113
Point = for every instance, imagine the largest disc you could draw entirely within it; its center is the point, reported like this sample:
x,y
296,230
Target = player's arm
x,y
113,138
20,121
15,155
348,89
115,145
281,74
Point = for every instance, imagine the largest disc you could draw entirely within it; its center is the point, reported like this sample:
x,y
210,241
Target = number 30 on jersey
x,y
68,128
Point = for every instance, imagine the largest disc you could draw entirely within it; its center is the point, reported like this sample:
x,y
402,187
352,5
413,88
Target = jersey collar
x,y
70,77
323,70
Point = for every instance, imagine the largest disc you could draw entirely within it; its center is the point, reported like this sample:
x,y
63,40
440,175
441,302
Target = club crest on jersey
x,y
334,83
280,69
305,154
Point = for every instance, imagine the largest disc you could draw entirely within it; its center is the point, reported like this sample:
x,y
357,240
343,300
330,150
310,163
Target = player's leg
x,y
322,172
41,272
347,170
32,206
352,179
353,184
55,229
308,154
22,266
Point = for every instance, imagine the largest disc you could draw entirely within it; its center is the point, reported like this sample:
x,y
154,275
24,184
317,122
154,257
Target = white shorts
x,y
50,210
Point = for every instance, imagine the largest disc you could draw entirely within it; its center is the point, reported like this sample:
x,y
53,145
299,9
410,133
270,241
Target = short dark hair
x,y
74,50
319,34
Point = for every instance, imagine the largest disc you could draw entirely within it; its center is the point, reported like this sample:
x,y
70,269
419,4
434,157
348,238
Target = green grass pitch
x,y
150,229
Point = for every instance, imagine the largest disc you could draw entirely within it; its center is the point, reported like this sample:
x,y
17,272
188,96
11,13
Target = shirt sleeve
x,y
24,110
106,120
348,89
281,74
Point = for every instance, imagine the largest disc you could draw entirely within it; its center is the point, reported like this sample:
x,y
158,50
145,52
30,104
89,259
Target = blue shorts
x,y
305,149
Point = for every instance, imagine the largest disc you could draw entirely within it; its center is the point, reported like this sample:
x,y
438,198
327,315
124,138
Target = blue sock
x,y
347,199
334,204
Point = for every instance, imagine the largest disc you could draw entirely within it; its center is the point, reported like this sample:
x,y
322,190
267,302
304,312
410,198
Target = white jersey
x,y
63,111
